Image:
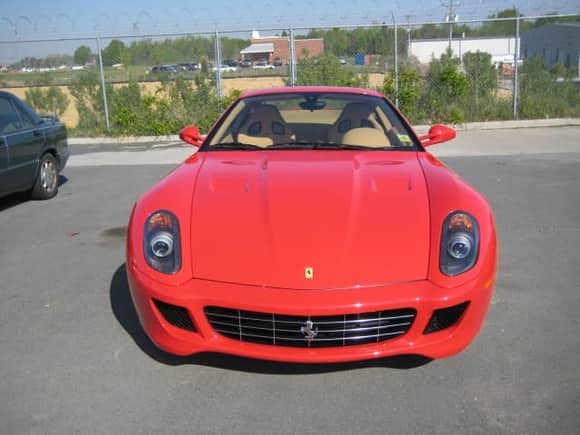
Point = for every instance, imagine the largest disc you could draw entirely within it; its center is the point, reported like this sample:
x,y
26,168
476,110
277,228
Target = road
x,y
73,358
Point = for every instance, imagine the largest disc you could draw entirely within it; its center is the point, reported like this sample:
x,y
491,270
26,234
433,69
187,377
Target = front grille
x,y
310,331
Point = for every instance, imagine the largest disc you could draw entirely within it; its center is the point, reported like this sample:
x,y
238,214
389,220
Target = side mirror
x,y
191,136
437,134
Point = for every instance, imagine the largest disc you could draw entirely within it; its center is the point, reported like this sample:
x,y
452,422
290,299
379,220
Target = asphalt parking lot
x,y
73,358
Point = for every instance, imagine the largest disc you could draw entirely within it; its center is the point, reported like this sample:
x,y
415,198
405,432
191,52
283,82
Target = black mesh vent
x,y
175,315
310,331
445,318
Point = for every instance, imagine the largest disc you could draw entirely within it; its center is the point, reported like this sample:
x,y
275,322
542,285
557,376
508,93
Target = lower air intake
x,y
175,315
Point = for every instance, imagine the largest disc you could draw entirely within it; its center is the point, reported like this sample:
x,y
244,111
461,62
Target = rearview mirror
x,y
191,135
437,134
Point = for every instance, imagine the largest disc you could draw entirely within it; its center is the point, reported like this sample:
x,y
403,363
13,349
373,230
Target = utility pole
x,y
451,17
408,35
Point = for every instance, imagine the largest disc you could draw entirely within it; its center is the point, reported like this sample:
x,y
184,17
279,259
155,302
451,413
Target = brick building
x,y
272,48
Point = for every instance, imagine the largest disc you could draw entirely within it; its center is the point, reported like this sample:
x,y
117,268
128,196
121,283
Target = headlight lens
x,y
161,242
459,243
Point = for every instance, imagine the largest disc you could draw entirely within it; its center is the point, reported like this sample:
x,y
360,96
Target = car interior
x,y
332,122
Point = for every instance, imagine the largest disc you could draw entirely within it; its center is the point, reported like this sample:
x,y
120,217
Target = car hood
x,y
310,219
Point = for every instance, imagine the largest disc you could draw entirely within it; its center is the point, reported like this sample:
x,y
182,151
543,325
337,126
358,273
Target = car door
x,y
3,165
23,141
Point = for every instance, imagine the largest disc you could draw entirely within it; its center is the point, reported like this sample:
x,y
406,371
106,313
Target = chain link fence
x,y
452,72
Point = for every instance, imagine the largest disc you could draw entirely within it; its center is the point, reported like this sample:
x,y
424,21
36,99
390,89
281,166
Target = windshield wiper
x,y
299,145
302,145
235,146
361,147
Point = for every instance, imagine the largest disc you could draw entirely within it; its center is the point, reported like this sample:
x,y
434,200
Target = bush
x,y
52,100
544,93
326,70
410,89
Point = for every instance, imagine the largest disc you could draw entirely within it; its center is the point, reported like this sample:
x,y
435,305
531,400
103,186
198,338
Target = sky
x,y
42,19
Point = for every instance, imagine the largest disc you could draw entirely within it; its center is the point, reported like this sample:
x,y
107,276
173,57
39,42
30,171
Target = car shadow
x,y
15,199
124,311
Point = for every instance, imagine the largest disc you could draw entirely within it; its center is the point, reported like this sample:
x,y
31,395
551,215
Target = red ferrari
x,y
312,226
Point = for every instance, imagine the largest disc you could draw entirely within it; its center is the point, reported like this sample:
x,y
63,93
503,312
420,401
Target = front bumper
x,y
423,296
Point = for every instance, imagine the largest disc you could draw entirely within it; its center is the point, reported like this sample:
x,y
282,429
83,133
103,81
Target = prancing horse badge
x,y
309,273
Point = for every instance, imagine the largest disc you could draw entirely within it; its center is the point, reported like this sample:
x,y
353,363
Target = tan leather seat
x,y
369,137
265,126
354,115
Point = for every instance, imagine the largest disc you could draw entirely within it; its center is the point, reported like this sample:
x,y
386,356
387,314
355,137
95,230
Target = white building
x,y
501,48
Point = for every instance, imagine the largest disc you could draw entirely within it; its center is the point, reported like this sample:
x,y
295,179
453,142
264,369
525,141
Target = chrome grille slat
x,y
342,330
318,339
327,331
255,319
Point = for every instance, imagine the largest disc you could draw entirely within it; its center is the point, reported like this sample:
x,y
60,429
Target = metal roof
x,y
259,48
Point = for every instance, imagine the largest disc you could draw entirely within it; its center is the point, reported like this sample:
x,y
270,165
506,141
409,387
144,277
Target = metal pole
x,y
396,52
516,68
218,71
292,59
103,87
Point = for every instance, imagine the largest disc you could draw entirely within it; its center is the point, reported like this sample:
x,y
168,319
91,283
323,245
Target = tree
x,y
82,55
113,53
481,77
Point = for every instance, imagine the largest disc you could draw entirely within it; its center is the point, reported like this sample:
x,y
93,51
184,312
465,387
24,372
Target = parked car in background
x,y
226,68
172,69
230,62
33,149
245,63
188,66
263,65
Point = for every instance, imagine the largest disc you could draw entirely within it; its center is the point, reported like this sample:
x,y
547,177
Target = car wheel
x,y
46,184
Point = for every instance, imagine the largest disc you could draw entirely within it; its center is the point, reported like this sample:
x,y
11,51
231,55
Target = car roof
x,y
303,89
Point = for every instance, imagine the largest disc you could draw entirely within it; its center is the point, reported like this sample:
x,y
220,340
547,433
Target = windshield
x,y
311,120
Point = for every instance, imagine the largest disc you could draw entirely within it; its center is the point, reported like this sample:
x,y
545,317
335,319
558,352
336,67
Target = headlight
x,y
161,242
459,243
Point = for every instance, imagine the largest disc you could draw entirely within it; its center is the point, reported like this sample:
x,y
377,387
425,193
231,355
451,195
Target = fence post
x,y
516,69
103,87
396,52
218,71
292,59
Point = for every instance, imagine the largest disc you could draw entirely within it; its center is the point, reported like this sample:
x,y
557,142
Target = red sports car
x,y
312,226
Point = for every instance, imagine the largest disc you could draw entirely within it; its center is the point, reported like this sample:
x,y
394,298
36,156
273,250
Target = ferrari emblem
x,y
309,330
309,273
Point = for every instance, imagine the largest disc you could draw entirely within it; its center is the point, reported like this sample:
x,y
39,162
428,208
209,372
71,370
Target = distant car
x,y
188,66
263,65
230,62
312,226
226,68
33,149
245,64
172,69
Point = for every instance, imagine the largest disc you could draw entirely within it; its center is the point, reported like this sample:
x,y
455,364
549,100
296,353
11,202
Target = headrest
x,y
369,137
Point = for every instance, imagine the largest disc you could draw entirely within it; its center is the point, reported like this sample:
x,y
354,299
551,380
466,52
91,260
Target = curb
x,y
489,125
